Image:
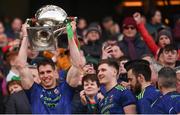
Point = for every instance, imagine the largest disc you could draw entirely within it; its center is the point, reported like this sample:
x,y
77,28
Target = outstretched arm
x,y
144,33
73,75
74,51
21,63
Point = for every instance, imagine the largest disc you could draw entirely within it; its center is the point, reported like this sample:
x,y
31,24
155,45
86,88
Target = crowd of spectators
x,y
129,68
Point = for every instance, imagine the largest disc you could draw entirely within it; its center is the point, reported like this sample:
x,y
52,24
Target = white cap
x,y
10,76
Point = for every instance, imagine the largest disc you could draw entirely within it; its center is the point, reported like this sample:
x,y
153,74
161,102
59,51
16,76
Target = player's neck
x,y
145,84
167,90
51,86
110,85
91,98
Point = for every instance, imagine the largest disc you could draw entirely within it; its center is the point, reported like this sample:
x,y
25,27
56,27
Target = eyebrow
x,y
46,71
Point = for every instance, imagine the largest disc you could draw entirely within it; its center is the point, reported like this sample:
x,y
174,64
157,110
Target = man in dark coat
x,y
131,43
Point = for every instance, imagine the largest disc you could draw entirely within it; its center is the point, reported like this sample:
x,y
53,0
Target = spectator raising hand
x,y
137,17
106,51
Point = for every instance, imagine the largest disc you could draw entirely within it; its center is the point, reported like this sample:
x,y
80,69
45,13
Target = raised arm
x,y
21,63
73,75
145,34
74,51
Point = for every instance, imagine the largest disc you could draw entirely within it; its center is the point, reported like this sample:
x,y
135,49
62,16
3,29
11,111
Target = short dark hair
x,y
111,62
139,67
13,82
168,76
159,53
170,47
91,77
45,61
122,58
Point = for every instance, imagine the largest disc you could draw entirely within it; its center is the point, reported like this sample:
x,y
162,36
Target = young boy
x,y
90,96
14,85
17,102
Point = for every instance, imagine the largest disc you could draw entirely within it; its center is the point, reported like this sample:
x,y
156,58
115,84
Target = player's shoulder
x,y
120,88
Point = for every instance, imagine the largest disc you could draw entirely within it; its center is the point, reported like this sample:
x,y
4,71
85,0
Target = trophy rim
x,y
41,13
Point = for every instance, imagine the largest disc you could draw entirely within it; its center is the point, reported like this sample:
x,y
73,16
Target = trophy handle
x,y
62,29
31,22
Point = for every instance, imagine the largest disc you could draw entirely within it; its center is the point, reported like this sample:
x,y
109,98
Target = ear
x,y
56,74
159,83
141,78
116,72
159,86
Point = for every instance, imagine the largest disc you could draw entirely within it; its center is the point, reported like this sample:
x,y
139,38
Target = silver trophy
x,y
43,30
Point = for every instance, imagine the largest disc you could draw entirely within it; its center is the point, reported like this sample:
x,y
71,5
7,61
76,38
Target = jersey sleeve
x,y
67,89
33,91
144,106
127,98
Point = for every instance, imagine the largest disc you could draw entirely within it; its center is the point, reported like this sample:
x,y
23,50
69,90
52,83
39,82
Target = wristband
x,y
69,31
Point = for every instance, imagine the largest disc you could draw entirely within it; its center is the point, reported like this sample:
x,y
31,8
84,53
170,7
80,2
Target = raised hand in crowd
x,y
83,97
106,51
89,69
137,17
